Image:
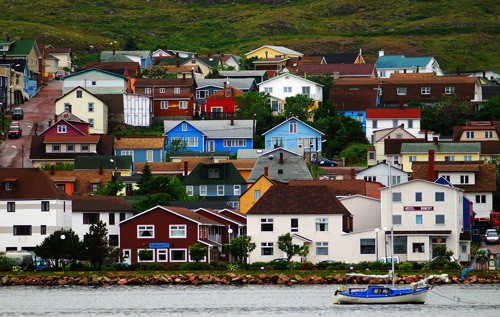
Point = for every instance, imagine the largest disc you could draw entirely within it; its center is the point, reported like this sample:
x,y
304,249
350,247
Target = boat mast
x,y
392,224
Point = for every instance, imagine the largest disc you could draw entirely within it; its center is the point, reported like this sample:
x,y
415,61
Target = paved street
x,y
37,112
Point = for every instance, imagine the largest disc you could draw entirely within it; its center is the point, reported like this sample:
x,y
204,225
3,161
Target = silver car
x,y
491,237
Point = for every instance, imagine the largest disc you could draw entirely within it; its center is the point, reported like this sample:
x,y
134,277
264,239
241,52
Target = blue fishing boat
x,y
381,294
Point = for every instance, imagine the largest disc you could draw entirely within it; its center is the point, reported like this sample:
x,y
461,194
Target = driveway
x,y
37,113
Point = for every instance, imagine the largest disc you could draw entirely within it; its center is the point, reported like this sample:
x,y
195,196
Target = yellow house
x,y
87,107
443,151
271,51
377,153
477,132
256,190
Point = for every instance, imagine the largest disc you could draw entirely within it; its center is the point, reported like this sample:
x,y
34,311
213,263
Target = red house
x,y
222,104
67,124
168,232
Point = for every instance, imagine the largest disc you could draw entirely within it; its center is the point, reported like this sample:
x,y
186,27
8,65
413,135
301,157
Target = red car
x,y
15,130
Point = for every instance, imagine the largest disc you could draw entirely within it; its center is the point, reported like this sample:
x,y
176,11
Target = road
x,y
37,112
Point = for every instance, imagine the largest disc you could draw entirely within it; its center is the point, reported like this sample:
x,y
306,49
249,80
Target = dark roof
x,y
213,205
37,149
313,200
94,162
354,100
345,187
341,58
29,183
344,70
293,166
227,172
174,82
393,146
101,203
490,147
82,180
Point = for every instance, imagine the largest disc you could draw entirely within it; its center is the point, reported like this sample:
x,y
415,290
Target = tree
x,y
286,245
197,251
111,188
490,109
174,147
326,80
441,256
444,115
256,106
156,72
131,44
56,249
298,106
96,244
240,247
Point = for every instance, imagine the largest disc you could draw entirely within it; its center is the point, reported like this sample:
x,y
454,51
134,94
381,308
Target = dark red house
x,y
167,233
66,124
222,103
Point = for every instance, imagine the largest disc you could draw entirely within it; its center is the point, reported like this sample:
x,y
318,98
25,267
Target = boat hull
x,y
399,296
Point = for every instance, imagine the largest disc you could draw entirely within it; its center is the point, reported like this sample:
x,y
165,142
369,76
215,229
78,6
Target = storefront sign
x,y
418,208
159,245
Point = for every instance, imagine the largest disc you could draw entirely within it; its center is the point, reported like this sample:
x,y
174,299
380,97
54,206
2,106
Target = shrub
x,y
405,266
154,267
307,266
258,265
452,266
192,266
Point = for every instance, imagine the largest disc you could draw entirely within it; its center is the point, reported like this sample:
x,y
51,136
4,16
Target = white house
x,y
390,64
137,110
31,208
385,118
96,81
382,173
365,211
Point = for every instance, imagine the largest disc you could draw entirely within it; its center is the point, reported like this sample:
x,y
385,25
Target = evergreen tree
x,y
96,244
57,249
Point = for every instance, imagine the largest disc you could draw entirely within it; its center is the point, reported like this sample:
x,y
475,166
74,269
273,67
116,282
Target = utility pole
x,y
317,159
253,130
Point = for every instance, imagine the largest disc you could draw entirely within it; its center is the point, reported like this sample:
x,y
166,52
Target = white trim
x,y
178,228
145,229
185,253
140,261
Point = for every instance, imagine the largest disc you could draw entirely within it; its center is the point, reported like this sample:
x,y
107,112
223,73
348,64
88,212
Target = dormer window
x,y
184,126
9,185
62,129
177,90
213,173
147,91
293,126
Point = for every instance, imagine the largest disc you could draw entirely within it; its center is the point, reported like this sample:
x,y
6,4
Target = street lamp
x,y
63,237
385,243
229,231
376,243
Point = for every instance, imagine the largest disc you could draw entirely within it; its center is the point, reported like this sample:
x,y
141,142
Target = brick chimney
x,y
101,171
185,168
183,76
380,53
281,161
430,167
266,170
55,118
353,173
435,139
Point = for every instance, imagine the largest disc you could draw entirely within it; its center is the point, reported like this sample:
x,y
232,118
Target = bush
x,y
452,266
405,266
307,266
155,267
258,265
193,266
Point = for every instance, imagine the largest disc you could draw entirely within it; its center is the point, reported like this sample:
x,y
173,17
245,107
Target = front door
x,y
211,146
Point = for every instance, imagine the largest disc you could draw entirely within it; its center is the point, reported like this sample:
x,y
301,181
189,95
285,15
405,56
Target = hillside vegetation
x,y
461,34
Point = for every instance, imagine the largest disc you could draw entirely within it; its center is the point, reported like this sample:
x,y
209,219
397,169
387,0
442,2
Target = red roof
x,y
71,139
389,113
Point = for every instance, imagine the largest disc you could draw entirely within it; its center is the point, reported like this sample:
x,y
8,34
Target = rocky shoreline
x,y
225,279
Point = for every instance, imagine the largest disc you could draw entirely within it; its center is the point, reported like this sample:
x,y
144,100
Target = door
x,y
211,146
126,256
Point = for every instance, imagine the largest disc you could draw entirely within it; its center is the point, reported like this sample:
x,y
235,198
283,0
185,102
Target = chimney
x,y
458,71
225,85
52,170
281,161
418,69
435,139
353,173
185,168
484,74
101,171
300,58
183,76
178,64
55,118
266,170
177,54
404,70
426,135
232,122
430,166
209,55
380,53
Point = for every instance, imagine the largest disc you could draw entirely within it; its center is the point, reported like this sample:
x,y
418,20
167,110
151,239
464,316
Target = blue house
x,y
293,134
141,149
210,135
144,58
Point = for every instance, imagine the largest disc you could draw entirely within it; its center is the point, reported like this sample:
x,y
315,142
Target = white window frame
x,y
177,228
184,126
191,141
147,91
322,246
185,255
237,190
448,90
268,90
177,90
440,223
149,155
287,90
203,190
401,91
152,252
189,190
220,190
56,148
183,104
425,90
267,246
292,127
62,129
256,194
201,94
213,172
397,220
91,106
70,148
469,134
162,90
412,158
91,122
488,134
321,221
467,157
164,104
144,228
164,252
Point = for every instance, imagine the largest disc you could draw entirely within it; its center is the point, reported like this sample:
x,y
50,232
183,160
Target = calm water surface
x,y
251,300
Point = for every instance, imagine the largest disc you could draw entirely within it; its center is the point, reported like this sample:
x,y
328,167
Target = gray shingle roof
x,y
456,147
238,83
293,168
217,129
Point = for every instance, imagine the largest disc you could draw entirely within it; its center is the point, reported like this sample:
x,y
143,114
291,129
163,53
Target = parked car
x,y
490,230
325,162
389,259
279,260
492,238
15,130
60,74
17,114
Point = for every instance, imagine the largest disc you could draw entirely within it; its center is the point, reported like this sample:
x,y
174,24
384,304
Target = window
x,y
220,190
183,104
149,156
449,90
367,246
237,190
11,206
111,220
70,148
268,90
184,126
177,90
266,224
8,185
122,216
447,177
306,90
439,219
469,134
22,230
145,231
370,178
189,190
177,231
488,134
266,248
213,173
147,91
201,94
375,124
62,129
419,219
91,122
449,158
161,255
235,143
94,83
294,225
396,180
90,218
256,194
467,157
67,107
418,196
382,73
43,230
371,155
321,224
439,196
91,107
113,240
395,160
203,190
56,148
400,245
79,94
278,141
94,187
464,179
287,89
418,247
396,196
85,147
163,104
321,248
45,205
480,199
178,255
191,141
145,255
399,135
401,91
410,124
395,124
162,90
396,220
426,90
412,158
293,126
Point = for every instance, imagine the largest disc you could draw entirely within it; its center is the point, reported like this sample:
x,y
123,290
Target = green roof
x,y
20,48
449,147
93,162
228,174
172,60
119,58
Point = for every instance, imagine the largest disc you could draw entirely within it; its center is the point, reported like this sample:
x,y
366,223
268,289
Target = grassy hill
x,y
461,34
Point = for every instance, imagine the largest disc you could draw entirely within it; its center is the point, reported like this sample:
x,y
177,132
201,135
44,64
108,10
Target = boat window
x,y
386,291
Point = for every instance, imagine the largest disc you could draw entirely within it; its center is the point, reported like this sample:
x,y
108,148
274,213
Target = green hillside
x,y
459,33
